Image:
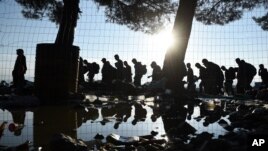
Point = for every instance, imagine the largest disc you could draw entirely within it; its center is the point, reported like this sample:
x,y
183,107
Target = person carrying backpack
x,y
140,70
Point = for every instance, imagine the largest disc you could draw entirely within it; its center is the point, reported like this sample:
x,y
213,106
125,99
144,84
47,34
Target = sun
x,y
163,40
159,44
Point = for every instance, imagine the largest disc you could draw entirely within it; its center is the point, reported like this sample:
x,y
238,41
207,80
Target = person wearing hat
x,y
19,70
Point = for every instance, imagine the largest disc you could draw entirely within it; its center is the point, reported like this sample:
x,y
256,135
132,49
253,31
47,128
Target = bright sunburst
x,y
159,44
163,40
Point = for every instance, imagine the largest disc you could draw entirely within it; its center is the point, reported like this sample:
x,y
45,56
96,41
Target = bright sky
x,y
98,39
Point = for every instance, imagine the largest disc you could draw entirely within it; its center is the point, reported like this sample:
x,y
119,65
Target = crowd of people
x,y
213,78
121,71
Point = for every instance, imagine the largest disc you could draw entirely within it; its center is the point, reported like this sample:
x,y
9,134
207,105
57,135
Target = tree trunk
x,y
174,68
56,69
65,36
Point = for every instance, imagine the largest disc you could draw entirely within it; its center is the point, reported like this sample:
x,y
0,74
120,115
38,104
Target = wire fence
x,y
98,39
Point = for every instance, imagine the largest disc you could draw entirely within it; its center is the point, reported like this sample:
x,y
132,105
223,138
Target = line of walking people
x,y
121,72
213,79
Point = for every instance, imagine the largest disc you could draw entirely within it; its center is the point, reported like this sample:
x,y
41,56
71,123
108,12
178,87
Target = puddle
x,y
136,116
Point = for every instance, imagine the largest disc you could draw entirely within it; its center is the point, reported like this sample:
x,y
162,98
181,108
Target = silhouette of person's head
x,y
223,68
205,123
153,64
85,61
237,60
103,60
134,60
20,51
116,125
198,65
134,122
116,57
188,65
125,63
261,66
153,118
205,62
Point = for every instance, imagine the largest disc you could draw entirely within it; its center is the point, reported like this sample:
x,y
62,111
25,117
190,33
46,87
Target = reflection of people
x,y
83,116
108,111
140,114
19,70
2,128
18,122
156,113
123,111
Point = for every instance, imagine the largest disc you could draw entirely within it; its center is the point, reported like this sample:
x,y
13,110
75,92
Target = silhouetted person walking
x,y
104,71
250,72
203,77
190,78
245,75
263,74
127,73
215,75
86,67
138,72
157,72
108,72
19,70
119,67
229,77
82,70
240,86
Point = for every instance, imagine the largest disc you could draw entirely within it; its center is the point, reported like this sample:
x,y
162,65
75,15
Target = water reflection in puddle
x,y
129,118
82,123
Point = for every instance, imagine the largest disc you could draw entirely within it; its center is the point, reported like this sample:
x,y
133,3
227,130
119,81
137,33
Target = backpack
x,y
143,69
96,68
